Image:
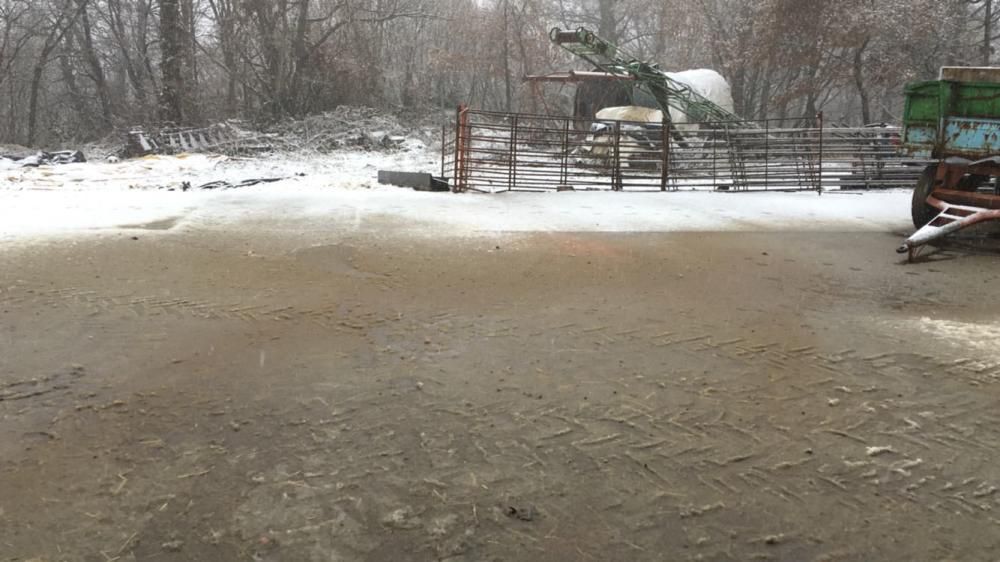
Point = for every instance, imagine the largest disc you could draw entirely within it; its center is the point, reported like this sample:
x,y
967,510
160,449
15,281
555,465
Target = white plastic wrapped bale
x,y
642,139
630,113
707,83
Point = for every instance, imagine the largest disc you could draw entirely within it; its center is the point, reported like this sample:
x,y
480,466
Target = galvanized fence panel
x,y
494,151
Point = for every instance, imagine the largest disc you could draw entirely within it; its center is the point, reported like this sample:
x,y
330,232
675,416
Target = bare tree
x,y
60,24
171,37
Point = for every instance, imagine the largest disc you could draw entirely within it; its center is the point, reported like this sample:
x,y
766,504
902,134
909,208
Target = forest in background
x,y
78,70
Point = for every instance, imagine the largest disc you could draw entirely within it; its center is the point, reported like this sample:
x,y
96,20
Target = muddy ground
x,y
281,396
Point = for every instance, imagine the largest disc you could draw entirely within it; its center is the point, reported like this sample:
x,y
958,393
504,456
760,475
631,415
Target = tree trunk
x,y
69,78
660,41
229,59
36,84
607,27
268,33
132,69
94,62
859,82
987,47
523,52
171,34
11,135
301,50
507,89
224,16
189,71
54,37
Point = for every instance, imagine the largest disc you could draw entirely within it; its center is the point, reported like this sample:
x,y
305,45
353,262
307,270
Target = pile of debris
x,y
42,159
223,184
344,127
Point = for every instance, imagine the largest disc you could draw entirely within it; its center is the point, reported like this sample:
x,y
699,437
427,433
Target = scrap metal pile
x,y
225,138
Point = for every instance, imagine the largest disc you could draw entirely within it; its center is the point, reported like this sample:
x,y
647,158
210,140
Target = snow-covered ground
x,y
347,169
340,191
981,336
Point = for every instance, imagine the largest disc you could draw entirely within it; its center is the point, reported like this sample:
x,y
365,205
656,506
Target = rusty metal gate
x,y
492,152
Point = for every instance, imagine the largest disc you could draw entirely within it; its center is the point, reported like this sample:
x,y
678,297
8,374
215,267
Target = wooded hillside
x,y
79,69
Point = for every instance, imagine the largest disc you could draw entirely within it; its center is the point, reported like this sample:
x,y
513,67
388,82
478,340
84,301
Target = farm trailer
x,y
954,121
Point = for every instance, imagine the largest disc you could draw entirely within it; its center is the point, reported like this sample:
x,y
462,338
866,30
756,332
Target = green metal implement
x,y
667,92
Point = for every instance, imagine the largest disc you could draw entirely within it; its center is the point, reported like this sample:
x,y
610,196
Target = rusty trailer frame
x,y
953,195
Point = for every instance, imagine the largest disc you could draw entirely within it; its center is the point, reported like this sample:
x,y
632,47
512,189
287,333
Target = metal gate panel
x,y
494,151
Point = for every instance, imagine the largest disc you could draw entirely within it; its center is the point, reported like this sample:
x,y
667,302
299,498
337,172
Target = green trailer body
x,y
950,118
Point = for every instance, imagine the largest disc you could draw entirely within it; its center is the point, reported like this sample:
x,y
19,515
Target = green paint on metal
x,y
945,118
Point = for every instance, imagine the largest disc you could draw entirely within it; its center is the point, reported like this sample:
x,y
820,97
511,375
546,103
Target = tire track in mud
x,y
332,317
26,389
875,430
726,456
896,296
869,436
903,442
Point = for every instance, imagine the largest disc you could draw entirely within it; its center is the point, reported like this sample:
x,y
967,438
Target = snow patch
x,y
335,205
339,191
967,335
339,169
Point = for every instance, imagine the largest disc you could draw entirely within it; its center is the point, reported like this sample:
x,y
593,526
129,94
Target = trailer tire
x,y
920,211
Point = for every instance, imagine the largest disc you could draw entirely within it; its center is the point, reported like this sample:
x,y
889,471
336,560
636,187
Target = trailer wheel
x,y
920,211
